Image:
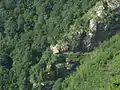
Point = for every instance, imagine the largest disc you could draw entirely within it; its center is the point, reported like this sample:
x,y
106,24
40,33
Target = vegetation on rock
x,y
52,44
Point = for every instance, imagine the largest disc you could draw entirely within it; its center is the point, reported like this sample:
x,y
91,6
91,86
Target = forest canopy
x,y
28,28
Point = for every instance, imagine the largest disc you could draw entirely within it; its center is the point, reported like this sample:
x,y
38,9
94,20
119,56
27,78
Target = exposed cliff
x,y
87,36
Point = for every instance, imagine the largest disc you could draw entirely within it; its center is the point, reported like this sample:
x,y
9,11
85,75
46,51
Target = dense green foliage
x,y
29,27
99,69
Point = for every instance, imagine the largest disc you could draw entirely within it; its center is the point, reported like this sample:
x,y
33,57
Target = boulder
x,y
93,25
113,4
55,49
100,9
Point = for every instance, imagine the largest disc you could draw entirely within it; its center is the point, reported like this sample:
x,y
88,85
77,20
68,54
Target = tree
x,y
10,4
10,27
20,23
4,79
57,85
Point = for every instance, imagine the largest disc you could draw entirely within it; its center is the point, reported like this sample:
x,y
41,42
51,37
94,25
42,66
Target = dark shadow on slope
x,y
103,33
6,61
106,32
59,71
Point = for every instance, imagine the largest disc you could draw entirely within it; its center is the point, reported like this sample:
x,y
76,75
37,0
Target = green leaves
x,y
10,27
29,27
100,70
10,4
4,79
57,85
20,23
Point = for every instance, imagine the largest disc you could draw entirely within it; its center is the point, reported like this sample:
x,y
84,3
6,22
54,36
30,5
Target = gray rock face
x,y
80,38
96,36
93,25
55,49
113,4
117,11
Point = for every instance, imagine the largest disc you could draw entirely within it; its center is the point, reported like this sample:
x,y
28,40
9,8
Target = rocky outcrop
x,y
113,4
93,25
60,47
88,37
55,49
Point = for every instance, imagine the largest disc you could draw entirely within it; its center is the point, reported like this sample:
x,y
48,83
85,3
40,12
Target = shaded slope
x,y
100,69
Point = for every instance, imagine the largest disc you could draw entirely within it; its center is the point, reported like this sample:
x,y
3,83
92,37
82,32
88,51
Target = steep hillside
x,y
99,70
53,44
